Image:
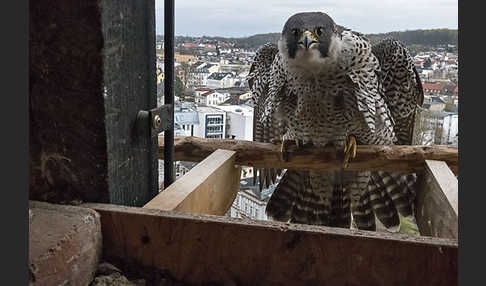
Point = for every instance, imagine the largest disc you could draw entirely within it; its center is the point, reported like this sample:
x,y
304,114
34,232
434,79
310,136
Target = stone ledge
x,y
64,244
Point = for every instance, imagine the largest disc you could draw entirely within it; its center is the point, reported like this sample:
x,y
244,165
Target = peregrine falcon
x,y
325,85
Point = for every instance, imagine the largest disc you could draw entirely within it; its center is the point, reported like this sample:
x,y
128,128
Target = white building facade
x,y
220,80
240,119
450,129
212,122
247,205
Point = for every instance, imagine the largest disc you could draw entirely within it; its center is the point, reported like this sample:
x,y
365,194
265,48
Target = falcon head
x,y
310,38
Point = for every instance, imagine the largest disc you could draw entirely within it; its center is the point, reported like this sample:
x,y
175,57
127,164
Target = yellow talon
x,y
283,152
349,150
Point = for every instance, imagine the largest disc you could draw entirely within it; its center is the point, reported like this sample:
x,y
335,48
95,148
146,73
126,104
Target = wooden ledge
x,y
201,248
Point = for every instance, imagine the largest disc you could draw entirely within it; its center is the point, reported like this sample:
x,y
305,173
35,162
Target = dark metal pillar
x,y
169,23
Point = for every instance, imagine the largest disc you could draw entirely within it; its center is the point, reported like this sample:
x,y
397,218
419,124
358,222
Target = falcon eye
x,y
295,32
319,31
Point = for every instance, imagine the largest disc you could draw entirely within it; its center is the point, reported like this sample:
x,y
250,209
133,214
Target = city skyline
x,y
241,19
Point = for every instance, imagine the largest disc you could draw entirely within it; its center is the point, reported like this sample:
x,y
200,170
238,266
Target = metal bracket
x,y
155,120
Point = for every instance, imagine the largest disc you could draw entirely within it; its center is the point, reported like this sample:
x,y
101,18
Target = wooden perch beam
x,y
265,155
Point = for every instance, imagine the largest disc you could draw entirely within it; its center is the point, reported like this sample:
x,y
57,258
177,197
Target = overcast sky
x,y
231,18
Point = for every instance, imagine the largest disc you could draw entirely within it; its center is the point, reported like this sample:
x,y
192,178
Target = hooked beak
x,y
307,39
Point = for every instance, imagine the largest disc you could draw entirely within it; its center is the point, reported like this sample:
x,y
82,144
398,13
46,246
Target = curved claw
x,y
349,150
284,156
284,143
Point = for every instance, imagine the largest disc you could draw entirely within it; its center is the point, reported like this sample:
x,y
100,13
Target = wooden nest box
x,y
92,70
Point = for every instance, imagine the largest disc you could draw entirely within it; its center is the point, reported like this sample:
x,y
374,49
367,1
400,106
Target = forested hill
x,y
256,41
434,37
431,37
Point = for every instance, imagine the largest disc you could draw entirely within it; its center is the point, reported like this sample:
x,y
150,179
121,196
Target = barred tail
x,y
361,208
382,204
280,205
310,198
340,208
400,188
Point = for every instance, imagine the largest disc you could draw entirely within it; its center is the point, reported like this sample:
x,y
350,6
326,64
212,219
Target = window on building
x,y
217,136
215,119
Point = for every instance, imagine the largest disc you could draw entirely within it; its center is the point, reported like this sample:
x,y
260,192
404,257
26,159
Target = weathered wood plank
x,y
198,248
67,140
437,201
129,86
265,155
92,68
209,188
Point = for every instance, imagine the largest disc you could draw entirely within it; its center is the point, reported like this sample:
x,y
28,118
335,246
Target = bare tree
x,y
185,72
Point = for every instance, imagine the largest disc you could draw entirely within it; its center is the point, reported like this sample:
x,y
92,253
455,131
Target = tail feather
x,y
361,208
363,213
340,208
315,197
399,187
311,208
382,204
280,205
302,197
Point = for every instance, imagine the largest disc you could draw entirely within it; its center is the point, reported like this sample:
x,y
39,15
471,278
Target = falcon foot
x,y
284,143
349,150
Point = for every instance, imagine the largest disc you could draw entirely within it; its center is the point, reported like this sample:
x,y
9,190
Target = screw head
x,y
156,122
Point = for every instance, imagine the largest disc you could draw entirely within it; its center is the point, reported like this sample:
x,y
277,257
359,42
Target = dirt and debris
x,y
133,274
108,274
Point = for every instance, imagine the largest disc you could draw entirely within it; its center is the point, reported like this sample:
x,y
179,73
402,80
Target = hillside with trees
x,y
415,38
434,37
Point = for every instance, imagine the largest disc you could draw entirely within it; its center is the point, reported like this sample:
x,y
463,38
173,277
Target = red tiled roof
x,y
432,86
207,93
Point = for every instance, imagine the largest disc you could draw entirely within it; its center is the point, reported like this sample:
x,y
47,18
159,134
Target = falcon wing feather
x,y
402,87
265,127
403,95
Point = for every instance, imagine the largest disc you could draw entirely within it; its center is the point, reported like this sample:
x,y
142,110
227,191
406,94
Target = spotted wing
x,y
265,127
403,94
402,87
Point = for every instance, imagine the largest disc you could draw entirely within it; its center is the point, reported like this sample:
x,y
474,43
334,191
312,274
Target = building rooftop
x,y
239,109
219,75
246,185
208,93
184,118
209,109
233,90
204,89
432,86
